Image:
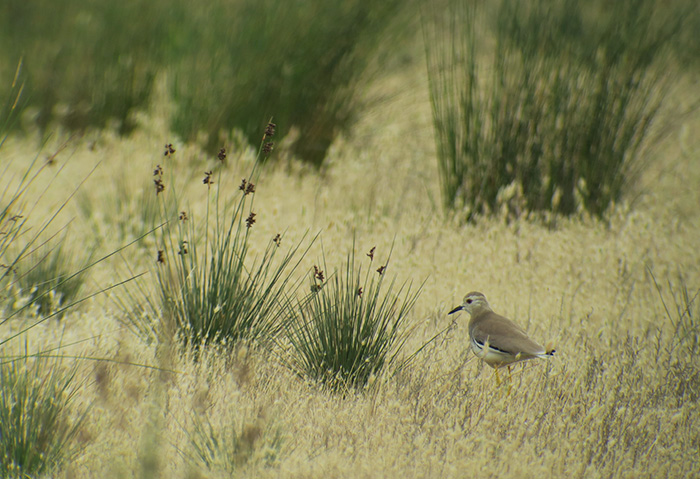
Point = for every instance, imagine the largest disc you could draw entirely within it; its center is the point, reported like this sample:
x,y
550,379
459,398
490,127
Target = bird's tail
x,y
549,350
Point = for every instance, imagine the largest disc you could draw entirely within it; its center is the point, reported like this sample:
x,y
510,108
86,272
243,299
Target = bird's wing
x,y
503,334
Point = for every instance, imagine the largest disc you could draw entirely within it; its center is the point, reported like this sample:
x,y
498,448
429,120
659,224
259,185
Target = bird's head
x,y
474,302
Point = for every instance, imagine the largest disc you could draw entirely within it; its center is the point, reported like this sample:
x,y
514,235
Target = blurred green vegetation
x,y
230,64
47,280
551,111
85,63
233,65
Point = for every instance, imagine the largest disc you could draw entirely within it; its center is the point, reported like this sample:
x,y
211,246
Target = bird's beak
x,y
458,308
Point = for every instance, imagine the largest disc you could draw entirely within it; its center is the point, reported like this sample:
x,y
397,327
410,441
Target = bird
x,y
497,340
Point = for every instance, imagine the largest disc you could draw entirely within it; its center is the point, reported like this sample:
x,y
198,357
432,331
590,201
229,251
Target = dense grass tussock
x,y
349,330
37,422
554,116
209,290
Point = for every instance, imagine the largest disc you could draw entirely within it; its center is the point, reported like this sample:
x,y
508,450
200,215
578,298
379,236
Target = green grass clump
x,y
351,328
208,287
36,423
556,121
213,295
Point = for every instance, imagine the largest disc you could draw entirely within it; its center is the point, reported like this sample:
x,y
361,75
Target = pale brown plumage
x,y
496,339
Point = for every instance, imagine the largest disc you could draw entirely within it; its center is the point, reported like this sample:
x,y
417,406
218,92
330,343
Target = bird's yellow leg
x,y
498,379
510,380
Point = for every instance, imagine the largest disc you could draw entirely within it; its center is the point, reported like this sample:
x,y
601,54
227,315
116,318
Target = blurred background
x,y
515,86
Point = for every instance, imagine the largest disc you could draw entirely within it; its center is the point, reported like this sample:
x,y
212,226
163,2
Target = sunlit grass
x,y
37,422
223,445
623,376
45,281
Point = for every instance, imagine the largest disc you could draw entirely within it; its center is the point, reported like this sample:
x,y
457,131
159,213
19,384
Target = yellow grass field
x,y
619,399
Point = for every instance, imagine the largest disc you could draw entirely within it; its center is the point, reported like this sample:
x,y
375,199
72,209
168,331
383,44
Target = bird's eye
x,y
469,301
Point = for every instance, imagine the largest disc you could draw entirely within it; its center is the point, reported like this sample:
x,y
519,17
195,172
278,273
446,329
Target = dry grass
x,y
620,398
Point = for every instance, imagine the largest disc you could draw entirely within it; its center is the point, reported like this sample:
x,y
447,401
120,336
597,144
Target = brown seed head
x,y
161,257
222,155
277,239
371,253
160,187
381,270
246,187
250,220
359,291
318,274
208,179
169,150
268,147
183,216
270,130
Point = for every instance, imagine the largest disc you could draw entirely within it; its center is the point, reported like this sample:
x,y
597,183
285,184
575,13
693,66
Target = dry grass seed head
x,y
169,150
318,274
250,220
270,130
246,187
208,180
